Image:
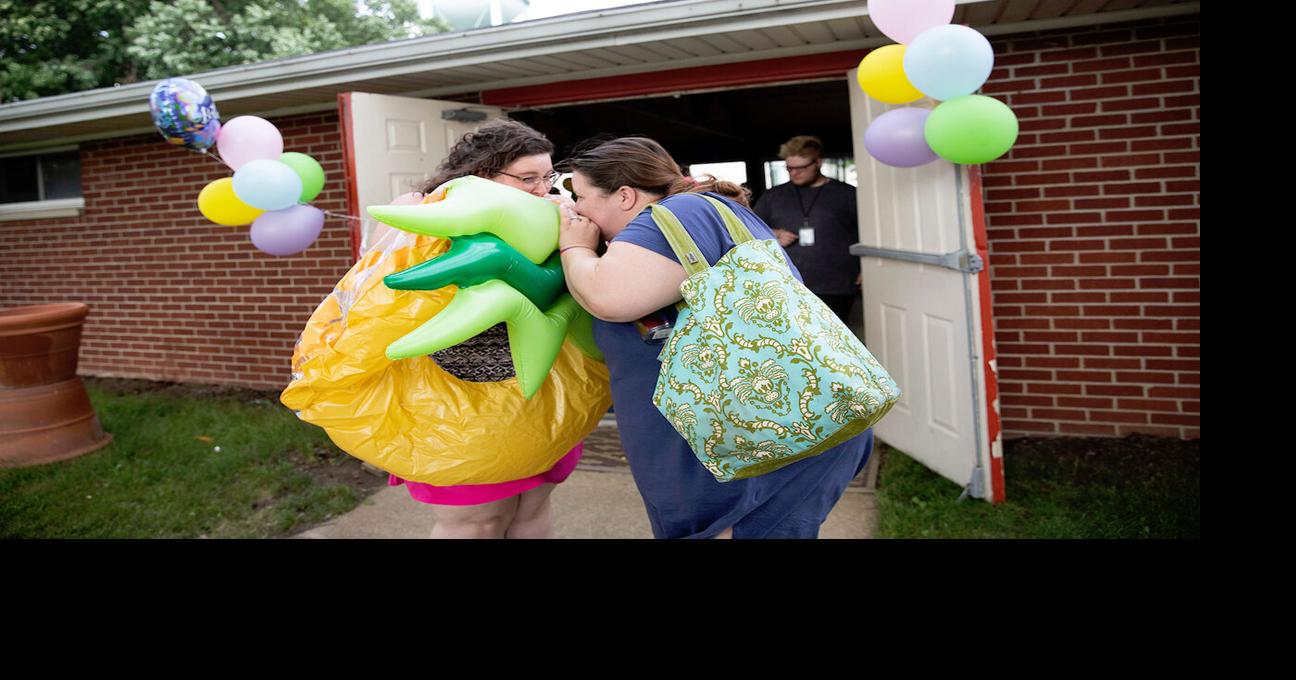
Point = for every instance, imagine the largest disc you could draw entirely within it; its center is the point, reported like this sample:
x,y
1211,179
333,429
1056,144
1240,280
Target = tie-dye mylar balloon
x,y
184,113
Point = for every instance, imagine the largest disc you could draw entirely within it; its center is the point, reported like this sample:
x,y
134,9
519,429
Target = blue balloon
x,y
184,113
948,61
267,184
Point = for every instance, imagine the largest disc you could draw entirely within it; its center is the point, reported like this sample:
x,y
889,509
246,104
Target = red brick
x,y
1164,87
1134,76
1112,147
1087,429
1160,144
1129,132
1057,414
1064,298
1106,92
1095,258
1118,417
1114,390
1105,120
1061,191
1101,203
1065,55
1070,109
1165,59
1101,65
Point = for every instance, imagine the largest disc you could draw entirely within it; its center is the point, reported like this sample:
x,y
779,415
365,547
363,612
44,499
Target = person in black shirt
x,y
815,220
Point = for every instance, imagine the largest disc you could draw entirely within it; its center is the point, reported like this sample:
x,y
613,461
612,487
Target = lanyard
x,y
805,212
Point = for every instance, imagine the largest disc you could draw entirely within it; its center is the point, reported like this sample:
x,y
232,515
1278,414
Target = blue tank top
x,y
683,500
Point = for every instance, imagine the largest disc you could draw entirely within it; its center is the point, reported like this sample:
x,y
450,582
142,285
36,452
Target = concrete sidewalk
x,y
599,500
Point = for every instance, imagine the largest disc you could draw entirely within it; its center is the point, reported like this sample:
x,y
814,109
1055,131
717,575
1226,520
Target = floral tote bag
x,y
759,372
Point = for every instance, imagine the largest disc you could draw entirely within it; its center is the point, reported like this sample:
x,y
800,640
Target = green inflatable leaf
x,y
472,260
473,205
535,337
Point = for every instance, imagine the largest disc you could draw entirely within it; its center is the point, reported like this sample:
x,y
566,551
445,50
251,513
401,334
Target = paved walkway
x,y
599,500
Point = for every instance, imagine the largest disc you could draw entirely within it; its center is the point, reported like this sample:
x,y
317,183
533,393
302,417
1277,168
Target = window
x,y
41,185
837,168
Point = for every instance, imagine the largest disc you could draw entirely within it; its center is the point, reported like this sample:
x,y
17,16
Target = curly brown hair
x,y
486,151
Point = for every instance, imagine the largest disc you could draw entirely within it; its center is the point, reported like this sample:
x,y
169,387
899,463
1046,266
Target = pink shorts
x,y
476,494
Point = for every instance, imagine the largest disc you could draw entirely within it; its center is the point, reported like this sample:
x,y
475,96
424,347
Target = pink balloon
x,y
903,20
248,138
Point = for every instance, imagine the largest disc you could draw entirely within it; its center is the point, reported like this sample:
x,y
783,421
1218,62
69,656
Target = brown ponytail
x,y
641,163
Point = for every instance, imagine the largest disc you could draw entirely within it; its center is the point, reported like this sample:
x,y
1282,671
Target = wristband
x,y
563,250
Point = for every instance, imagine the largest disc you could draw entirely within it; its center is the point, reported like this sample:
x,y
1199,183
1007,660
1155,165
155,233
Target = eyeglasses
x,y
529,182
802,167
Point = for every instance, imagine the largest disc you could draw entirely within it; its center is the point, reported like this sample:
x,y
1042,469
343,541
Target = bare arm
x,y
628,282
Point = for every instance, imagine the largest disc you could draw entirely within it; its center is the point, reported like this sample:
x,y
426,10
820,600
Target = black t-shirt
x,y
827,266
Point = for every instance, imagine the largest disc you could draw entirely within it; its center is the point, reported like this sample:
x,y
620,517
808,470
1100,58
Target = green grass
x,y
1083,488
158,479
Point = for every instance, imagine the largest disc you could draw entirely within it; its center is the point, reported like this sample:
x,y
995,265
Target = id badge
x,y
807,236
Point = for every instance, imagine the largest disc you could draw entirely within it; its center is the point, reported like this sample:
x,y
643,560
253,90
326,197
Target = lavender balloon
x,y
288,231
896,138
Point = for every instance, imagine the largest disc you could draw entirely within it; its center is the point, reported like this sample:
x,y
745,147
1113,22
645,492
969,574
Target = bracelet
x,y
563,250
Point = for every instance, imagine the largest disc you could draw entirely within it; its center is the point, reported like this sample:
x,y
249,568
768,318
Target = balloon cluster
x,y
270,189
942,61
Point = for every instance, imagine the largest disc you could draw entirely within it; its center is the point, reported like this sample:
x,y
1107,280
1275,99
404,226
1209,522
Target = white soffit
x,y
603,43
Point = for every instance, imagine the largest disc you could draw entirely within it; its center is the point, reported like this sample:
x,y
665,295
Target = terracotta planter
x,y
45,413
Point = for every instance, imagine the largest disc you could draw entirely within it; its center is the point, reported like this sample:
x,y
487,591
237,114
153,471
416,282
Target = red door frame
x,y
831,64
349,162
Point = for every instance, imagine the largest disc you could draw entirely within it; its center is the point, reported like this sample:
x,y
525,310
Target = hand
x,y
576,230
563,202
412,198
785,237
859,280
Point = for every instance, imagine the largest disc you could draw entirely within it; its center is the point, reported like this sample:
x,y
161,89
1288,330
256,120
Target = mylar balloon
x,y
218,203
287,232
268,185
248,138
972,129
949,61
310,172
881,75
903,20
895,138
184,113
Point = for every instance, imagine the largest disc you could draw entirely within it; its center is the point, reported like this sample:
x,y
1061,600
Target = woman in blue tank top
x,y
638,278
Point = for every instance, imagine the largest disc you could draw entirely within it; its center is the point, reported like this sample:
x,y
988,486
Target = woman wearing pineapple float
x,y
617,184
450,355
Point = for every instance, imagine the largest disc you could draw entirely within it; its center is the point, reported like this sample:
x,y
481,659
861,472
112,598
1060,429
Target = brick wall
x,y
173,296
1094,227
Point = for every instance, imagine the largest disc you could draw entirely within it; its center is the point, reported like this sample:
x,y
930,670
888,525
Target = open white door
x,y
927,309
393,143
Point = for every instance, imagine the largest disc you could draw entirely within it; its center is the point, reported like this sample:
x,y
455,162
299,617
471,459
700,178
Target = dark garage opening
x,y
740,124
746,124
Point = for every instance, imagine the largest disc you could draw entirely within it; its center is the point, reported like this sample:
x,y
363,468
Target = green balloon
x,y
971,129
483,257
312,175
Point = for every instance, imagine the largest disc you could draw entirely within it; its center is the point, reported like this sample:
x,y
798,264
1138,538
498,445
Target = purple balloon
x,y
896,138
288,231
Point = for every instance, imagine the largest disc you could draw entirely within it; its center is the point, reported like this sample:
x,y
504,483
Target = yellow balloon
x,y
881,75
218,203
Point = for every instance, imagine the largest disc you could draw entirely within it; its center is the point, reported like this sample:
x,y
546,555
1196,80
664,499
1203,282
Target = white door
x,y
929,323
392,144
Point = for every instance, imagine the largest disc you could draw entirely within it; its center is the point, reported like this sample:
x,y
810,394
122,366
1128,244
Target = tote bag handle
x,y
685,249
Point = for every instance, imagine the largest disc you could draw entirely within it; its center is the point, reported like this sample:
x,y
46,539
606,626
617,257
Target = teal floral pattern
x,y
759,372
